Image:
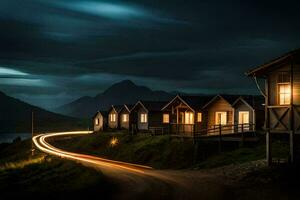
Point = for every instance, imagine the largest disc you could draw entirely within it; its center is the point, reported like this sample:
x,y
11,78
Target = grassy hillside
x,y
41,176
164,151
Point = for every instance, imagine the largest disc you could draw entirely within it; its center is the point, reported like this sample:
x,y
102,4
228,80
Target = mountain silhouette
x,y
124,92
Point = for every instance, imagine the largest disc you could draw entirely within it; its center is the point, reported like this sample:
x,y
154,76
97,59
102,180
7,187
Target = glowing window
x,y
144,118
221,118
199,117
112,117
189,118
284,93
97,121
125,117
166,118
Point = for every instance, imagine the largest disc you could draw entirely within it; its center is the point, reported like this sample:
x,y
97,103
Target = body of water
x,y
9,137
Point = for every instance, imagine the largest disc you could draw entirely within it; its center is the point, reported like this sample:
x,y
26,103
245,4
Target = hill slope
x,y
15,116
124,92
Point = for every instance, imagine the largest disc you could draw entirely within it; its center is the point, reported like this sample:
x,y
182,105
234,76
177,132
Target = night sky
x,y
52,52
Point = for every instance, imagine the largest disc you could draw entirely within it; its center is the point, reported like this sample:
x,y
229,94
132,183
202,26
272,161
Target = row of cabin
x,y
186,114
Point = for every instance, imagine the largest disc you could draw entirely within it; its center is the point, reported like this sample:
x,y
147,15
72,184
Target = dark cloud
x,y
68,48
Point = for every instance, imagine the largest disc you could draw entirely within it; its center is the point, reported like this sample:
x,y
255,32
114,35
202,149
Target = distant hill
x,y
15,116
117,94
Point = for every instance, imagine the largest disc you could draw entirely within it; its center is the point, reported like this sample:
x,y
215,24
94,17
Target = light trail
x,y
41,143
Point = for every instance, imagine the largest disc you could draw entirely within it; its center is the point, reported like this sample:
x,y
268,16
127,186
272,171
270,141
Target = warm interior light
x,y
166,118
189,118
125,117
144,118
284,94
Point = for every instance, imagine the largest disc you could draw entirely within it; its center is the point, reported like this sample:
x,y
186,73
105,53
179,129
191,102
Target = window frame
x,y
166,116
199,119
144,118
113,117
285,95
125,117
97,121
189,117
226,116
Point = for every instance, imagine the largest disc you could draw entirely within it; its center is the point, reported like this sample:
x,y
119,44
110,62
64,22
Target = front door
x,y
221,118
244,120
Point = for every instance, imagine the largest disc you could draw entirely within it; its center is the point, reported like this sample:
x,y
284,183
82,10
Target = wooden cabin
x,y
248,113
124,116
146,115
184,115
113,116
282,98
100,121
220,113
230,114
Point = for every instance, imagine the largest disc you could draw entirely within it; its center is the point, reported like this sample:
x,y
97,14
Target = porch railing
x,y
193,130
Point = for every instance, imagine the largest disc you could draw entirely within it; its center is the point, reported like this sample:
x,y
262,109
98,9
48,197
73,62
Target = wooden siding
x,y
111,124
240,106
219,105
142,125
280,115
100,126
124,125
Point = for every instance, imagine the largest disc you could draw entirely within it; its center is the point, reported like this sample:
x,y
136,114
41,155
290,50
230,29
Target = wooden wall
x,y
98,127
124,125
276,111
240,106
140,125
219,105
111,124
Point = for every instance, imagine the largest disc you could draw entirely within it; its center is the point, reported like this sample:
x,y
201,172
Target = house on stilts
x,y
281,89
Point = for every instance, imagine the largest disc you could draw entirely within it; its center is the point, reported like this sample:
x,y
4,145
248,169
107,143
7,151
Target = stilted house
x,y
282,98
184,114
113,116
124,116
146,115
100,121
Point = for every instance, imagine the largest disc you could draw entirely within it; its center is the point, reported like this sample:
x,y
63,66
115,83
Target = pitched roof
x,y
197,102
255,101
127,107
117,108
103,113
151,106
227,97
262,69
193,102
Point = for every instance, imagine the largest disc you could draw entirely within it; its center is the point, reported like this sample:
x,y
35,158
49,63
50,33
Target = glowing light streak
x,y
41,144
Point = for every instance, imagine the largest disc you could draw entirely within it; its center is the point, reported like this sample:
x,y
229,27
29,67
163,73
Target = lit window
x,y
125,117
221,118
97,121
112,117
284,93
166,118
199,117
144,118
189,118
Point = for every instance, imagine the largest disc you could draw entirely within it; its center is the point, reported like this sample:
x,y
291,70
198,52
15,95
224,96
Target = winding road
x,y
143,182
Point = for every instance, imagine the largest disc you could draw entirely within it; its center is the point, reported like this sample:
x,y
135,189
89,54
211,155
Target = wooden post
x,y
32,146
243,136
267,121
291,121
220,138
